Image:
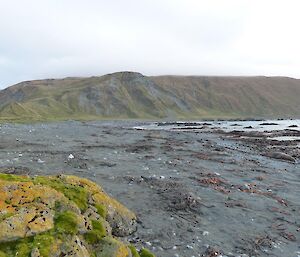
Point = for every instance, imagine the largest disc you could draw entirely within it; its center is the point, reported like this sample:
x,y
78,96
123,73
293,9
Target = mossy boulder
x,y
61,216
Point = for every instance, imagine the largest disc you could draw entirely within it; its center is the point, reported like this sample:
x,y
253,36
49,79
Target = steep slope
x,y
241,96
131,95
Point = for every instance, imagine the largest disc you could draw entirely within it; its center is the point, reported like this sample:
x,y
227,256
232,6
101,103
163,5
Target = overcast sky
x,y
59,38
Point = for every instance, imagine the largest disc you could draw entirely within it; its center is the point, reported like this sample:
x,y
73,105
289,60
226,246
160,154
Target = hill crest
x,y
132,95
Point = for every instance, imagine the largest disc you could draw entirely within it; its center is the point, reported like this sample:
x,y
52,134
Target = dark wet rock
x,y
78,163
211,252
107,164
247,133
235,203
281,156
188,124
268,124
190,128
18,170
168,123
183,124
140,147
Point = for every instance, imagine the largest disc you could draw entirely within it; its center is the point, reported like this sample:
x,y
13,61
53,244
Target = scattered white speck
x,y
71,156
247,186
40,161
205,233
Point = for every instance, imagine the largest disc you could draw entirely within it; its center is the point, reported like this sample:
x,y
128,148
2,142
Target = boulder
x,y
61,216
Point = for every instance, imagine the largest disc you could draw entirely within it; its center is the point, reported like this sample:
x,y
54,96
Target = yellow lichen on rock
x,y
61,216
29,207
15,227
99,196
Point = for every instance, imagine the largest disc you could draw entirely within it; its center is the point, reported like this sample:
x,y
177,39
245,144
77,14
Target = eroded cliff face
x,y
62,216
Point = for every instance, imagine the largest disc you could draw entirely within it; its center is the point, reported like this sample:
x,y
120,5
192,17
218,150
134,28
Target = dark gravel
x,y
196,193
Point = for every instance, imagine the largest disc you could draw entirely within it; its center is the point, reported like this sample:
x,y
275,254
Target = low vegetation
x,y
129,95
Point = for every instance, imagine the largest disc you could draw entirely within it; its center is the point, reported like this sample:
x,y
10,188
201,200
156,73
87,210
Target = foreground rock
x,y
62,216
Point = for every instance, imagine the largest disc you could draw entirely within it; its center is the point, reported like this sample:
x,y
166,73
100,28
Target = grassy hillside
x,y
131,95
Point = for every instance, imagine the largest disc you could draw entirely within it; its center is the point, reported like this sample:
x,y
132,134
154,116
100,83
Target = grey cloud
x,y
46,38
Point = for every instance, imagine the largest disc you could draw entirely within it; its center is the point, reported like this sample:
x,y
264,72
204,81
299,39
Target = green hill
x,y
132,95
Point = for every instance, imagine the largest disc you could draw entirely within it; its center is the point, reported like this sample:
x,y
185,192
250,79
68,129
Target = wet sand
x,y
201,192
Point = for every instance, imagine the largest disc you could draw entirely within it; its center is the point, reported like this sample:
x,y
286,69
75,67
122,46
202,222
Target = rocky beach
x,y
197,189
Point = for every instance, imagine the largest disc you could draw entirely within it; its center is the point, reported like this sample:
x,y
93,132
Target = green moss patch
x,y
143,252
23,247
5,216
43,242
66,223
10,177
146,253
74,193
134,252
95,235
101,209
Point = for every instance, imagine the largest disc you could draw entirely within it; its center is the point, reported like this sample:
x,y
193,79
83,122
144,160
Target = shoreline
x,y
195,193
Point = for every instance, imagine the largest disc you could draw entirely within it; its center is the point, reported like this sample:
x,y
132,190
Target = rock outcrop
x,y
62,216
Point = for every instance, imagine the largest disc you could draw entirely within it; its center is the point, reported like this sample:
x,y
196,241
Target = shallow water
x,y
228,126
284,138
277,125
